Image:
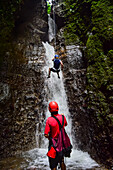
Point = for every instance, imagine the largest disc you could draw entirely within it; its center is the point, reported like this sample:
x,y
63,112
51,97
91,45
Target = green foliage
x,y
94,50
7,23
102,19
85,17
91,22
78,19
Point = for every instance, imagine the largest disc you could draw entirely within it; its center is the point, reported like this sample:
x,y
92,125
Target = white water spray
x,y
56,91
51,28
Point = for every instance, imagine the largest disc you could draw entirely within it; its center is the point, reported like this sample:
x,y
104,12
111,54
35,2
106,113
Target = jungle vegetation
x,y
8,11
90,22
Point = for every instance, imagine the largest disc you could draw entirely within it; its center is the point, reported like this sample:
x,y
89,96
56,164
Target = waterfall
x,y
37,158
54,25
51,28
55,90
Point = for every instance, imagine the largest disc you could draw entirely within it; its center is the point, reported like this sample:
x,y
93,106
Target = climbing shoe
x,y
48,77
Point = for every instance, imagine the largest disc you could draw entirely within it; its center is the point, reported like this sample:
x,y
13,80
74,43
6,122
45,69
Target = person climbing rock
x,y
52,131
56,68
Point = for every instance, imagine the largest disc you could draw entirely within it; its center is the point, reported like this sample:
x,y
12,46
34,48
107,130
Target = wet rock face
x,y
32,18
88,135
21,87
59,15
75,83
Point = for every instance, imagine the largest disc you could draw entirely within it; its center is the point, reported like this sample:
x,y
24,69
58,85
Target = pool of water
x,y
36,159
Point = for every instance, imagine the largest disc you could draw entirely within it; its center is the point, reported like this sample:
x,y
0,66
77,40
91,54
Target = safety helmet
x,y
56,56
53,106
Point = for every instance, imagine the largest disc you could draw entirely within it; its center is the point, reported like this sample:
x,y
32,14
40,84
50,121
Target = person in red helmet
x,y
52,131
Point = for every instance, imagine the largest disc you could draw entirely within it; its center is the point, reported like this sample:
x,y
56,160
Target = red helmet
x,y
53,106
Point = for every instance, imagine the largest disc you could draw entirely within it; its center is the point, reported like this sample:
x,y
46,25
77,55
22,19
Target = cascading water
x,y
36,158
51,32
55,90
54,25
55,86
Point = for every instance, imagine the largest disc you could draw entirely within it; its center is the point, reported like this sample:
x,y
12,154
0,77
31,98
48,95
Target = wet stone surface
x,y
21,87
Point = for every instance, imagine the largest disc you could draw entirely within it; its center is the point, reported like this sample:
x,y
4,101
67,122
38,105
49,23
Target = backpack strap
x,y
60,126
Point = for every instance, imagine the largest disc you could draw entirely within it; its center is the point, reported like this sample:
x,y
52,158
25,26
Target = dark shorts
x,y
54,70
53,162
